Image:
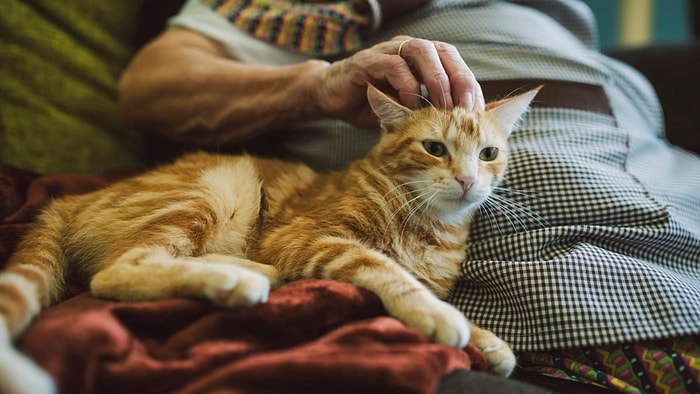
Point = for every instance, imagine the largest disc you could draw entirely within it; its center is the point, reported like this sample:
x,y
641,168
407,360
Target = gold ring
x,y
401,46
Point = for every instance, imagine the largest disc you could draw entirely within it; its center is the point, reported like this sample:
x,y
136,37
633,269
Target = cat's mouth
x,y
465,200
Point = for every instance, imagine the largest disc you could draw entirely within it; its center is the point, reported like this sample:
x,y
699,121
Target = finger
x,y
398,74
381,66
424,57
466,91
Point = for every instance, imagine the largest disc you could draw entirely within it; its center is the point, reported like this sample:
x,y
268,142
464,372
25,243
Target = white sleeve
x,y
238,44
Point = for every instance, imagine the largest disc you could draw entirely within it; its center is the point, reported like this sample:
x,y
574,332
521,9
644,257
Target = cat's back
x,y
167,183
207,200
193,174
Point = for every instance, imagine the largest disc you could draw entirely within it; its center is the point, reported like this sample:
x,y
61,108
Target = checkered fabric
x,y
594,238
578,251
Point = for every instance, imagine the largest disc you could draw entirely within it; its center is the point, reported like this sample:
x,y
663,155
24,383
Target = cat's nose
x,y
466,182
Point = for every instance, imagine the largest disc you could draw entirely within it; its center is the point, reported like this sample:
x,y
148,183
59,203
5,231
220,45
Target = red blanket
x,y
312,336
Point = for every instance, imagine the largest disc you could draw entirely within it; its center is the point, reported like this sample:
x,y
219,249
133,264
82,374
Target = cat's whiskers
x,y
401,196
485,207
401,185
396,211
515,191
425,203
507,213
520,207
402,207
375,171
515,210
422,97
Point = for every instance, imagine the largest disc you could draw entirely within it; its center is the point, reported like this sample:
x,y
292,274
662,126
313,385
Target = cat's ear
x,y
391,114
507,112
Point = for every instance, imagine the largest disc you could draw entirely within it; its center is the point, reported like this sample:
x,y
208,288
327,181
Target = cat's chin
x,y
455,209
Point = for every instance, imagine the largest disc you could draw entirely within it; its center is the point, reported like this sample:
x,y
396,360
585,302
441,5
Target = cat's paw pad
x,y
238,287
497,352
439,321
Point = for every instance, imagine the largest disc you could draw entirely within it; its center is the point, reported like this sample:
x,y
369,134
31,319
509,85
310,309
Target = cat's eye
x,y
435,148
488,154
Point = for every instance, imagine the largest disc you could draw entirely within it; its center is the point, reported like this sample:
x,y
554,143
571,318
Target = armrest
x,y
673,71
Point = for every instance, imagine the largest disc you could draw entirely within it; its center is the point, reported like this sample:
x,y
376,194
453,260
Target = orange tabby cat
x,y
226,228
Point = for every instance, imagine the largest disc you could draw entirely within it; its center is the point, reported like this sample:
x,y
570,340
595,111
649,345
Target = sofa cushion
x,y
60,62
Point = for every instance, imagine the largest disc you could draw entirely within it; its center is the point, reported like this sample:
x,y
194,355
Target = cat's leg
x,y
403,296
272,274
152,274
497,352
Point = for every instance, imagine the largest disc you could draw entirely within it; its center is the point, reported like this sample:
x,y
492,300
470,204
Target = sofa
x,y
60,134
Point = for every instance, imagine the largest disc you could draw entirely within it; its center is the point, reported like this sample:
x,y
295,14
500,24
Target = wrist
x,y
310,86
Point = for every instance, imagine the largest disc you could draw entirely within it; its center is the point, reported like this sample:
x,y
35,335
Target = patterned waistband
x,y
310,27
554,94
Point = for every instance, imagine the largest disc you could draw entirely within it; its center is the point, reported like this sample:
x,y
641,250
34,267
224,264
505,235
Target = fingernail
x,y
470,101
482,102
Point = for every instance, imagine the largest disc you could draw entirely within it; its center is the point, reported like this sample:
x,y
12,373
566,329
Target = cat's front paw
x,y
497,352
238,286
438,320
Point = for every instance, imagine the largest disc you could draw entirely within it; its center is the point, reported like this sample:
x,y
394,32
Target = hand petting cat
x,y
399,67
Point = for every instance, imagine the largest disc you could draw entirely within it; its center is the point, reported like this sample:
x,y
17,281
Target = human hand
x,y
339,89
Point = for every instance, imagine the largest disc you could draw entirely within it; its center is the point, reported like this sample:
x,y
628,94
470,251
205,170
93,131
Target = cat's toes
x,y
497,352
452,328
441,322
239,287
501,359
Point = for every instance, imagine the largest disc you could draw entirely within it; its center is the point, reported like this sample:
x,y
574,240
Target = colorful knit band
x,y
319,28
666,366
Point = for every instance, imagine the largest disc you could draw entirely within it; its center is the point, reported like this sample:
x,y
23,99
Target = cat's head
x,y
450,159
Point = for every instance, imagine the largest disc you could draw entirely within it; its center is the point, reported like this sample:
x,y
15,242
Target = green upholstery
x,y
60,61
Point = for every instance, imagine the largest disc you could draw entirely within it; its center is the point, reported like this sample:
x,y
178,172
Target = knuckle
x,y
440,77
362,56
394,63
445,47
464,79
422,46
409,86
399,68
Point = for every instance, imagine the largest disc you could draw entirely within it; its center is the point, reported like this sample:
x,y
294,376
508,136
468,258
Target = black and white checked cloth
x,y
597,238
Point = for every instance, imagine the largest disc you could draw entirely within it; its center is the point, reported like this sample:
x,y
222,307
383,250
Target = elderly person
x,y
591,247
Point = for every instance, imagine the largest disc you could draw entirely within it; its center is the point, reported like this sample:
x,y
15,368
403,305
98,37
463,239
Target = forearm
x,y
183,86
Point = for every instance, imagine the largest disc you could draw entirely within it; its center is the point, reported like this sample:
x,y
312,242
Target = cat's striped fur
x,y
226,228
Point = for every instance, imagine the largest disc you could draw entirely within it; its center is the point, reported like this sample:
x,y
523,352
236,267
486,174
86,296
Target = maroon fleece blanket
x,y
312,336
